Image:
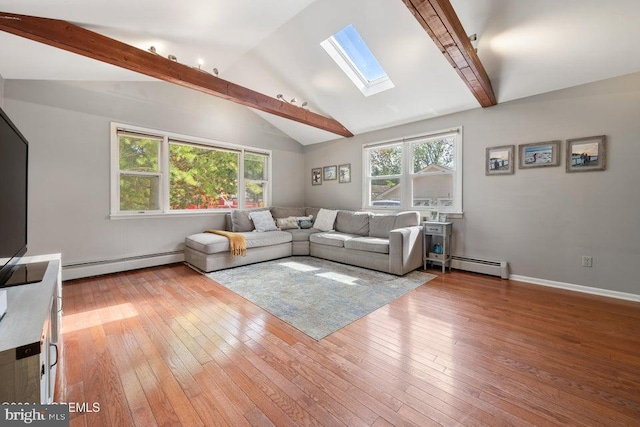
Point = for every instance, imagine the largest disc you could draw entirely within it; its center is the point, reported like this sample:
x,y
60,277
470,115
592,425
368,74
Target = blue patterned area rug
x,y
316,296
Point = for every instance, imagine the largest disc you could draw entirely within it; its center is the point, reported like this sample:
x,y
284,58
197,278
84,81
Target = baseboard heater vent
x,y
95,268
479,265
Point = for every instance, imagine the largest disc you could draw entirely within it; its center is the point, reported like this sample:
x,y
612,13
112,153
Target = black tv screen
x,y
14,151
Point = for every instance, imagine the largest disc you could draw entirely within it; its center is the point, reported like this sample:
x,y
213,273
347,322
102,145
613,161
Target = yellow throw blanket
x,y
237,242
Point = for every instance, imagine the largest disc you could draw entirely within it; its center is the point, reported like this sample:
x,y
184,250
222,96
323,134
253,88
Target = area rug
x,y
316,296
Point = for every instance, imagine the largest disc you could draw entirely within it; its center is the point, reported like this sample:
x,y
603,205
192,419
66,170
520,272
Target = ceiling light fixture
x,y
473,38
293,101
198,66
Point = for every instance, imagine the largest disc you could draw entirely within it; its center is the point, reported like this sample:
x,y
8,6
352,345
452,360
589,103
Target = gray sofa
x,y
391,243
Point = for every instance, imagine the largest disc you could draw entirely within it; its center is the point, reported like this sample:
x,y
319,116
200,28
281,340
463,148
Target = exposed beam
x,y
67,36
440,21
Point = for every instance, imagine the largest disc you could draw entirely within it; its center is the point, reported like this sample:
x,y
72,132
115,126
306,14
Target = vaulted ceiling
x,y
273,46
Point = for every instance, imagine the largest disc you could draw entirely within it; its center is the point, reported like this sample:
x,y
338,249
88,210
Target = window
x,y
354,57
159,173
419,173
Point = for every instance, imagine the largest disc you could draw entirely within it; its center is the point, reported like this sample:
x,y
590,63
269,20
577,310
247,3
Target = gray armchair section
x,y
390,243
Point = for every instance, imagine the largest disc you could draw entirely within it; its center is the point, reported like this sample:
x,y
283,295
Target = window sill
x,y
145,215
423,212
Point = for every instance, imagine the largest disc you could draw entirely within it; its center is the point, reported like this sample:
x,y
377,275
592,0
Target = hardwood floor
x,y
167,346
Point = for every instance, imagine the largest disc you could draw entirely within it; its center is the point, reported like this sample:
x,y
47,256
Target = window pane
x,y
254,194
139,193
431,191
434,156
385,192
358,52
255,166
202,178
139,154
386,161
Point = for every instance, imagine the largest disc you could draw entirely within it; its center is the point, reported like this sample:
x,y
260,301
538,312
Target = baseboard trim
x,y
576,288
97,268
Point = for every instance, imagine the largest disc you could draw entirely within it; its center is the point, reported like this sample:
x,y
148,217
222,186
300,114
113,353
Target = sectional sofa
x,y
391,243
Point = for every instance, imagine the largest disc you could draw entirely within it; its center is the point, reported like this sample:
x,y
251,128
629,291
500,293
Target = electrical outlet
x,y
587,261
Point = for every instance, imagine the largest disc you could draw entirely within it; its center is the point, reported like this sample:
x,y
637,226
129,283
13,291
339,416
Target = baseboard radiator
x,y
95,268
479,265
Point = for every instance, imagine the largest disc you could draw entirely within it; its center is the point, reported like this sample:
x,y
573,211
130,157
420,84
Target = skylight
x,y
352,55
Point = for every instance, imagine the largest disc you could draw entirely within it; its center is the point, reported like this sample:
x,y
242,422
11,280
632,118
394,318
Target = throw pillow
x,y
287,223
325,220
263,221
305,223
240,221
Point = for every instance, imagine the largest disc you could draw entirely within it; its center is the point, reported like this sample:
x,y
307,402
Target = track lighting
x,y
473,38
198,66
293,101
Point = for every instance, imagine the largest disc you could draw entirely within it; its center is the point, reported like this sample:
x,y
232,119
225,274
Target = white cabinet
x,y
30,336
437,233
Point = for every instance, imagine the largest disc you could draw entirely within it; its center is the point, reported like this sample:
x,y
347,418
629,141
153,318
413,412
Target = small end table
x,y
433,230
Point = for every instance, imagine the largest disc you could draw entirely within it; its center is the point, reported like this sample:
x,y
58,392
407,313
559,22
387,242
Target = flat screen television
x,y
14,156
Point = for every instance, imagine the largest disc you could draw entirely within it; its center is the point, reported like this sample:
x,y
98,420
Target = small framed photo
x,y
499,160
316,176
330,173
344,173
443,217
433,216
539,154
587,154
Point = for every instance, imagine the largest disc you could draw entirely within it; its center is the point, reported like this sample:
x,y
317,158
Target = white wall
x,y
67,126
540,220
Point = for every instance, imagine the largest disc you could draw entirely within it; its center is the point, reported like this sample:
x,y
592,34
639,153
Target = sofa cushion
x,y
240,221
213,243
353,222
263,221
302,235
331,238
287,223
325,220
312,211
280,212
368,244
381,225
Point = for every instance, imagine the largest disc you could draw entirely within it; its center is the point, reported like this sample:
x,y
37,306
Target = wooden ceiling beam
x,y
440,21
73,38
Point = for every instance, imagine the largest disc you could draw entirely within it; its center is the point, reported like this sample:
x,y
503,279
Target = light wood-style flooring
x,y
167,346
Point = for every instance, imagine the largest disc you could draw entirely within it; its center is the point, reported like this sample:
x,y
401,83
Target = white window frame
x,y
407,173
165,139
367,87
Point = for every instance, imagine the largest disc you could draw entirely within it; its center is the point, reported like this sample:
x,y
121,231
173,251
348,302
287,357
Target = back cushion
x,y
279,212
407,219
240,221
311,211
353,222
381,225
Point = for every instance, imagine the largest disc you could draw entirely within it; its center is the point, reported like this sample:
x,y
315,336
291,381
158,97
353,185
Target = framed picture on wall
x,y
344,173
330,173
433,216
539,154
499,160
587,154
316,176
